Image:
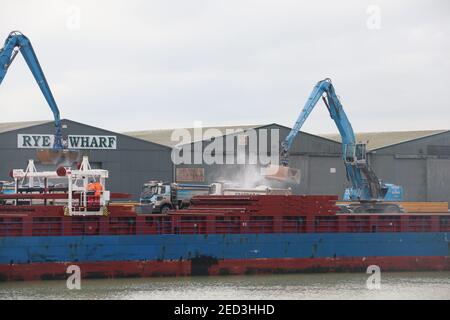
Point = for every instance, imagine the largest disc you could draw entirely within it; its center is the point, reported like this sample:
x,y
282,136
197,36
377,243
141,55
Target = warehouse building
x,y
417,160
130,161
318,158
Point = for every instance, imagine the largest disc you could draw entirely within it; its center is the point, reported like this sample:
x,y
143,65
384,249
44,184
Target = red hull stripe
x,y
47,271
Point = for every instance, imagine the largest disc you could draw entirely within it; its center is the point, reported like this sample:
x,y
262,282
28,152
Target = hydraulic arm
x,y
14,43
365,185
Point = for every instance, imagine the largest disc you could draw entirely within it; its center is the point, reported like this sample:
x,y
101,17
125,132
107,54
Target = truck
x,y
160,197
230,189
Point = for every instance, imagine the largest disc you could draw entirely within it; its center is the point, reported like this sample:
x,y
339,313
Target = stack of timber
x,y
420,207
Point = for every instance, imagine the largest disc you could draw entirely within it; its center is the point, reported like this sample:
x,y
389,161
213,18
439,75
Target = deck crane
x,y
366,188
14,43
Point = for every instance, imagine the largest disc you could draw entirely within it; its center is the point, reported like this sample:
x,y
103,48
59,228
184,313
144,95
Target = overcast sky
x,y
135,65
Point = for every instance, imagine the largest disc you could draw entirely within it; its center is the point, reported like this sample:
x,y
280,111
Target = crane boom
x,y
14,43
365,185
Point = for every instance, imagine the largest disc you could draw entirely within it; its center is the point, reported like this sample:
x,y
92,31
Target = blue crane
x,y
14,43
366,187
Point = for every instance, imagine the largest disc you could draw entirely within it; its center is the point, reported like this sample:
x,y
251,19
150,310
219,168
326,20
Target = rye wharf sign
x,y
45,141
91,142
35,140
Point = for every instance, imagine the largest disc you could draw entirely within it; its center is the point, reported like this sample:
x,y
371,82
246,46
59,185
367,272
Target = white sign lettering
x,y
91,142
41,141
45,141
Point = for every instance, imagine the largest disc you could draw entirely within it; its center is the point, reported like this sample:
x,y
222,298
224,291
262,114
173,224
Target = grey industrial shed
x,y
417,160
421,165
130,161
318,158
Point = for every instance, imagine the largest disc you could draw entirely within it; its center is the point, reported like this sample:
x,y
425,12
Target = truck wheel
x,y
165,208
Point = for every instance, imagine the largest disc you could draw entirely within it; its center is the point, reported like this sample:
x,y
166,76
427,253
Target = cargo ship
x,y
45,227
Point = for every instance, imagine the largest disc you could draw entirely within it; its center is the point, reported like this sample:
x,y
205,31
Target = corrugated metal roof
x,y
163,136
376,140
10,126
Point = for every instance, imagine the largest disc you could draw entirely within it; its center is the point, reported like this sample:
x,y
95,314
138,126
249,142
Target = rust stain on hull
x,y
206,265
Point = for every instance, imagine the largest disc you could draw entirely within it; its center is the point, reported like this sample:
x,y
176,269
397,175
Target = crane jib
x,y
14,43
365,185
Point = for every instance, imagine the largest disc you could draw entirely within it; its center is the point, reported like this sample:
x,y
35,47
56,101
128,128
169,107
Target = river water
x,y
400,285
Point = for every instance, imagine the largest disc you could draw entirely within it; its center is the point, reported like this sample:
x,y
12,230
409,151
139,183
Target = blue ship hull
x,y
236,247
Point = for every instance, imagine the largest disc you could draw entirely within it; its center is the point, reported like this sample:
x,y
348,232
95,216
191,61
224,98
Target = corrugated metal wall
x,y
423,175
421,166
130,165
318,159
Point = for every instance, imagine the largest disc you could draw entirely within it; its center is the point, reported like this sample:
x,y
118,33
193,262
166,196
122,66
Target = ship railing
x,y
96,225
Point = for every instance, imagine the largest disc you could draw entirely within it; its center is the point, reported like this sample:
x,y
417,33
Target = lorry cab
x,y
157,194
166,196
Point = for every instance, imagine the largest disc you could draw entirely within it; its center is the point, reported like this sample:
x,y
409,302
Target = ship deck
x,y
218,215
